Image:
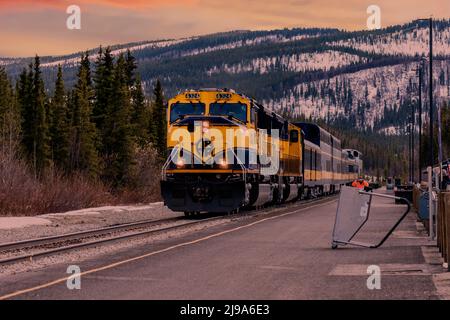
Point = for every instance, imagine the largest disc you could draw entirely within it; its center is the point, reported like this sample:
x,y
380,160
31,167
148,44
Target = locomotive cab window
x,y
178,110
234,110
294,136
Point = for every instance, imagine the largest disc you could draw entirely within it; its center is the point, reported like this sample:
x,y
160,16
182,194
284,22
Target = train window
x,y
235,110
315,159
328,166
178,110
294,136
307,161
319,161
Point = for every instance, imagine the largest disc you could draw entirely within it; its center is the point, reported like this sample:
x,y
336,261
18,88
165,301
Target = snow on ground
x,y
390,131
105,210
385,87
411,42
293,63
8,223
21,228
5,62
76,60
274,38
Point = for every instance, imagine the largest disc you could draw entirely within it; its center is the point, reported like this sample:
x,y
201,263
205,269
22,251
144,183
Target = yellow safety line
x,y
116,264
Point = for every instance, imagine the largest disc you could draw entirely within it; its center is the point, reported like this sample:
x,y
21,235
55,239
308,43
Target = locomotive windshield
x,y
236,110
184,109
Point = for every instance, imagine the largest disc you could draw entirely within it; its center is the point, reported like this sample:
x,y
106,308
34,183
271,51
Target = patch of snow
x,y
7,223
410,42
293,63
372,90
75,61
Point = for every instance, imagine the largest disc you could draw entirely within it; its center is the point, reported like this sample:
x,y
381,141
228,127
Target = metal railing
x,y
443,226
438,214
167,163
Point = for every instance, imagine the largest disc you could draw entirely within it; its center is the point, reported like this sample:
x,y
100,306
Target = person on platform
x,y
360,183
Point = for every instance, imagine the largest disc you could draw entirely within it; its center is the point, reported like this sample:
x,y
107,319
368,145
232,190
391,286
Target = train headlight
x,y
205,126
223,164
180,164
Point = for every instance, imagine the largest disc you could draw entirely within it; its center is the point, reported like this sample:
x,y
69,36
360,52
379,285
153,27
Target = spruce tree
x,y
59,125
86,64
159,122
83,152
118,140
130,68
103,87
140,114
41,149
9,115
24,100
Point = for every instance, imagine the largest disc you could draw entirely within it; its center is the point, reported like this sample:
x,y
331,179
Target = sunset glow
x,y
40,26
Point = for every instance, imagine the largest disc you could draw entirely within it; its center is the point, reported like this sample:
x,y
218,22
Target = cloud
x,y
40,25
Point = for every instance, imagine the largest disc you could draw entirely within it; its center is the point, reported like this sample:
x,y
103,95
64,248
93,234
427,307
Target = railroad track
x,y
48,246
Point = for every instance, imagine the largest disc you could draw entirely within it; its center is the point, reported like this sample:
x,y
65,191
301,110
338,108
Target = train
x,y
226,151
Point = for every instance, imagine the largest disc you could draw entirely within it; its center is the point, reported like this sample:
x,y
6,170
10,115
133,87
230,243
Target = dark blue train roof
x,y
311,132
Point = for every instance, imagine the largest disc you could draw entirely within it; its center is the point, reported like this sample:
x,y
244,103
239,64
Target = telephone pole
x,y
431,160
420,120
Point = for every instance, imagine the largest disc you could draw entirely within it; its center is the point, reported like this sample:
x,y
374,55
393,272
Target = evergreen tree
x,y
103,87
83,152
24,100
159,122
118,140
9,115
130,68
41,149
59,125
140,114
86,64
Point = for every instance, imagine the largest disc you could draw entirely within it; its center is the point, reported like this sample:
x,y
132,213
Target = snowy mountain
x,y
364,79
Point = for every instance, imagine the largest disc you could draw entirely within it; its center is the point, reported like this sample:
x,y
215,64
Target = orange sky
x,y
28,27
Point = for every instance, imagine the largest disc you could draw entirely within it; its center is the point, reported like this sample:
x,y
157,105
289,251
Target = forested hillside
x,y
360,83
100,141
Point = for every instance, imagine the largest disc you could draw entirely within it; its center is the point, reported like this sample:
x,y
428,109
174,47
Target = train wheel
x,y
254,192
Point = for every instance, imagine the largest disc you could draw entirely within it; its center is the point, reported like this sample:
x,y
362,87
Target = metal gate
x,y
353,213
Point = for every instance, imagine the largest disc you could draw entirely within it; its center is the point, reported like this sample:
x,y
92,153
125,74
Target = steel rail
x,y
29,243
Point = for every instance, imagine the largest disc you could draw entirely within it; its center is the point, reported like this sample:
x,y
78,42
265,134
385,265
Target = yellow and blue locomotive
x,y
226,151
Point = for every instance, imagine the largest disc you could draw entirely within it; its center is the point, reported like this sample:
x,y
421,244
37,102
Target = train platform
x,y
282,256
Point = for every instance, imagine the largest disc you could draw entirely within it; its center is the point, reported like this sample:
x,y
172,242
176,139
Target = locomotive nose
x,y
201,192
